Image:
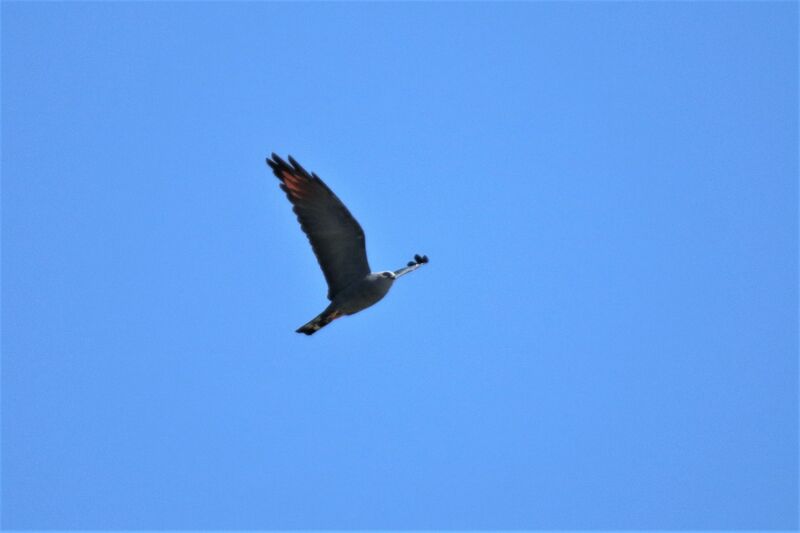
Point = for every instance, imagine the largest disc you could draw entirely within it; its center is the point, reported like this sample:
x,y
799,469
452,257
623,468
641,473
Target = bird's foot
x,y
418,261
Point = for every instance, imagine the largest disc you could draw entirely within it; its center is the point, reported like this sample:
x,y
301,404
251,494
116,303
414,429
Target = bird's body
x,y
338,242
355,298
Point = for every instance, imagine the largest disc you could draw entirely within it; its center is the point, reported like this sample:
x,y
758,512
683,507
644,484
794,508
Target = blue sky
x,y
606,335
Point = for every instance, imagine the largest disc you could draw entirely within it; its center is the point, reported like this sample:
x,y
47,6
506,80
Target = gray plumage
x,y
338,242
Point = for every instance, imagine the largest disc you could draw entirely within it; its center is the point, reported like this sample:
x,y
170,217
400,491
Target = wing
x,y
335,236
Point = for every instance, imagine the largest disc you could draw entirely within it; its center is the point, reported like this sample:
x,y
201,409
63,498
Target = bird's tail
x,y
319,322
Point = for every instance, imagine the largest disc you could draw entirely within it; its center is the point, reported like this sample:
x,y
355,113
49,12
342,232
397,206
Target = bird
x,y
338,243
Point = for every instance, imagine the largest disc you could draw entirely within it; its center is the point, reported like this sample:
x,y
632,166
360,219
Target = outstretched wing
x,y
335,236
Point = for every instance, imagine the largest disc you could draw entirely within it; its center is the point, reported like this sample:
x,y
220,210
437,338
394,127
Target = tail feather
x,y
318,322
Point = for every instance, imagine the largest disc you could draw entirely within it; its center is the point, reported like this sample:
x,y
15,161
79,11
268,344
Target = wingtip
x,y
298,167
276,163
276,159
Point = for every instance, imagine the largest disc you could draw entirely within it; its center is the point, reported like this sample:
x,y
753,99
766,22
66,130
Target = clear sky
x,y
606,334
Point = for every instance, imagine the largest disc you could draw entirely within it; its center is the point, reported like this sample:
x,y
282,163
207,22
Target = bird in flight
x,y
338,242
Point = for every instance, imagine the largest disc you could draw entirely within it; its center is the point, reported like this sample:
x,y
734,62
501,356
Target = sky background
x,y
606,334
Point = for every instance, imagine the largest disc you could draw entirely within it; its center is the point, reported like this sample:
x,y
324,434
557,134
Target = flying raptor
x,y
338,242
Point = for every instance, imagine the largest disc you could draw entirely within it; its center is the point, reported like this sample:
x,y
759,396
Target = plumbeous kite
x,y
338,242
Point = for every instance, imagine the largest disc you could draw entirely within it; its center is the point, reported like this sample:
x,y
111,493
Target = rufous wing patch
x,y
296,184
